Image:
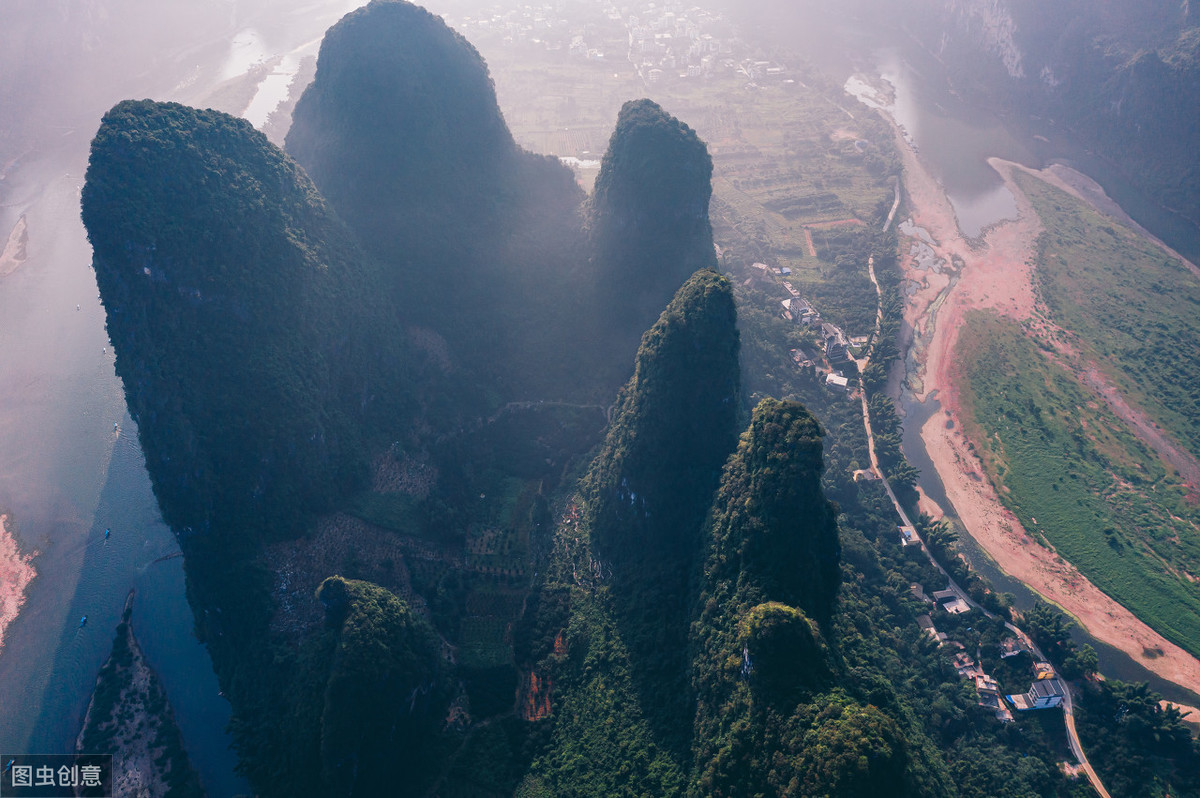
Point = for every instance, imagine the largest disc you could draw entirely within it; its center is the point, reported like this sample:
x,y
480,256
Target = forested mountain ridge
x,y
386,689
281,365
402,132
650,487
764,676
503,595
675,423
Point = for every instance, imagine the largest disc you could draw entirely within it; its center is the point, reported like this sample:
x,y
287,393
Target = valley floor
x,y
953,276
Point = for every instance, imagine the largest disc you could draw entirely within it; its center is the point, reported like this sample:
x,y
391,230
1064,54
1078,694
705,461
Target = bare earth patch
x,y
995,274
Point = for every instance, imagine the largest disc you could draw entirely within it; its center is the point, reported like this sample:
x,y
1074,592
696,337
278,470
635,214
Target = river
x,y
66,472
954,140
1114,663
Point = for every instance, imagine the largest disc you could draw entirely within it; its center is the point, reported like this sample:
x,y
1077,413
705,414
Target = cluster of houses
x,y
1047,691
669,41
662,40
796,309
986,687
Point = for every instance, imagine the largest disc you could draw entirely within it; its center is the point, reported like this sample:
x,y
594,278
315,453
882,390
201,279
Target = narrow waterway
x,y
954,140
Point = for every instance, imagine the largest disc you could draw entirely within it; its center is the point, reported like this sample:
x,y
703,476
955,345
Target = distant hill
x,y
648,215
400,129
1124,77
1113,79
488,244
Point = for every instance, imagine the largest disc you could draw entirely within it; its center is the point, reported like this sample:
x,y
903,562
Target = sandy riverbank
x,y
954,275
1191,715
16,572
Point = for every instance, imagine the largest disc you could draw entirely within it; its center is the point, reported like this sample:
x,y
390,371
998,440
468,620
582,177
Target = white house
x,y
1045,694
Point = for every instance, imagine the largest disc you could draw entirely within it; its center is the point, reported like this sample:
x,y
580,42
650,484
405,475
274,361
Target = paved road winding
x,y
1067,705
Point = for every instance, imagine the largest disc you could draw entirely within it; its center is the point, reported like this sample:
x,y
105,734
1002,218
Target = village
x,y
663,42
833,353
834,357
1047,690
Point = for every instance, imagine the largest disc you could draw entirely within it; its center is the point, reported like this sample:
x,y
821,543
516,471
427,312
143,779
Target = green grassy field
x,y
1100,497
1134,309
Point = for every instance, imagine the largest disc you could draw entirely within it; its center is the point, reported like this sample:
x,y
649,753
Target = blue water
x,y
132,557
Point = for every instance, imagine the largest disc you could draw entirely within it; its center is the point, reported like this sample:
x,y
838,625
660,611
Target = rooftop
x,y
956,607
1047,688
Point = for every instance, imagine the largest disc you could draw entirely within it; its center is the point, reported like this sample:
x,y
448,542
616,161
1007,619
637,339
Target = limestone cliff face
x,y
991,24
1049,44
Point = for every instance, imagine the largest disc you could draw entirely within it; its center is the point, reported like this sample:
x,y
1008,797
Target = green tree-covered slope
x,y
225,277
678,617
482,241
761,660
385,694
